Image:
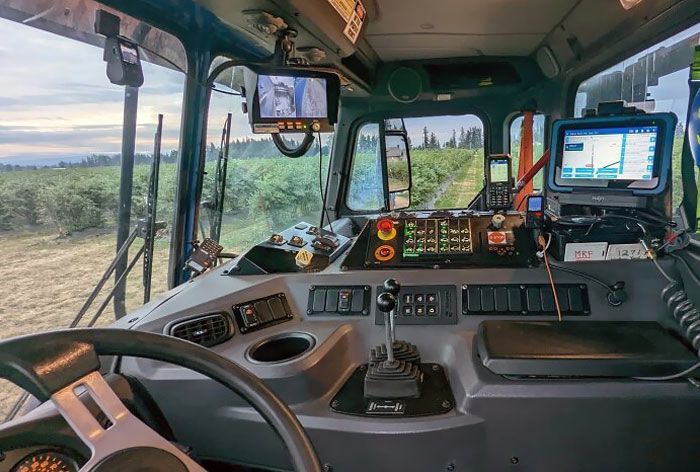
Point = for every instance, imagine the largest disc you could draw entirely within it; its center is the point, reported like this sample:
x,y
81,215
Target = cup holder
x,y
281,348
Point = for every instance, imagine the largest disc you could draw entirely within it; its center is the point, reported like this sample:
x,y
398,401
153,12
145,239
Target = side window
x,y
538,145
447,163
60,157
655,80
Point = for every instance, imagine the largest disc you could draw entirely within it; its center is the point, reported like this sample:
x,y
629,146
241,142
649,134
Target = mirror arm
x,y
300,150
385,166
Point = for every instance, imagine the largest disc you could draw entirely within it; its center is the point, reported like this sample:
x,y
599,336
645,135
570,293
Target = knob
x,y
386,302
392,286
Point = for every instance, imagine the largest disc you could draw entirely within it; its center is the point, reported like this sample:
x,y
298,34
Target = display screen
x,y
292,97
129,53
609,153
535,204
499,170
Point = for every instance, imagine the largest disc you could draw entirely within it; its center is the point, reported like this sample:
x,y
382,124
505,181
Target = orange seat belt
x,y
525,159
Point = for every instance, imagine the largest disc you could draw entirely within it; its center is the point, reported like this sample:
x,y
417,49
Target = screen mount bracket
x,y
612,108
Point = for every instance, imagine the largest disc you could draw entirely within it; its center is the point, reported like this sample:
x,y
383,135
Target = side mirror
x,y
397,164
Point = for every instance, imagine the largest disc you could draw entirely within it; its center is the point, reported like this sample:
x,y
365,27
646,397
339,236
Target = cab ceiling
x,y
424,29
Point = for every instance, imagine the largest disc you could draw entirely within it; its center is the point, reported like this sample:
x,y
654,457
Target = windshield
x,y
447,164
265,192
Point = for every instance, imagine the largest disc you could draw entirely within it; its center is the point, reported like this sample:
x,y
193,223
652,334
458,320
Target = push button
x,y
249,316
431,298
344,300
419,298
407,311
319,303
432,310
420,310
262,311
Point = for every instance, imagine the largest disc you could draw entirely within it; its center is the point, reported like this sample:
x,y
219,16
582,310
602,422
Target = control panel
x,y
447,240
339,300
424,305
528,299
261,313
301,248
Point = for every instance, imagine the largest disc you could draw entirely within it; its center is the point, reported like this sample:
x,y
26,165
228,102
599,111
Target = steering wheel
x,y
54,365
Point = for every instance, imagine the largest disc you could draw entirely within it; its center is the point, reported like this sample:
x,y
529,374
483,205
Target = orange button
x,y
384,253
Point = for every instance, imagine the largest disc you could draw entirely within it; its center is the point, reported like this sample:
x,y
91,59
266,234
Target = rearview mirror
x,y
397,159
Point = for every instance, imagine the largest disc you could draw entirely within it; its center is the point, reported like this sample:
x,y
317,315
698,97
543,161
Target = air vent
x,y
206,330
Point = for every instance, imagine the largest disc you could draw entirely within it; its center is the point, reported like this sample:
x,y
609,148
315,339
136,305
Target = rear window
x,y
655,80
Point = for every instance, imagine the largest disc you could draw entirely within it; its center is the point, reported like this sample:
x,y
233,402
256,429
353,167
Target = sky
x,y
671,93
56,102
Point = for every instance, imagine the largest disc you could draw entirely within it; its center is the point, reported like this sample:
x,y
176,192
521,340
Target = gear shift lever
x,y
391,378
393,287
386,303
401,350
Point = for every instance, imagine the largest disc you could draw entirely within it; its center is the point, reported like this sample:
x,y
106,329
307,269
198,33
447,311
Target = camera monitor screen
x,y
292,97
499,170
626,153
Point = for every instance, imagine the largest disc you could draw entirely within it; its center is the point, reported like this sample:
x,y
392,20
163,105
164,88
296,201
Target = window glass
x,y
655,80
60,144
265,191
538,146
447,163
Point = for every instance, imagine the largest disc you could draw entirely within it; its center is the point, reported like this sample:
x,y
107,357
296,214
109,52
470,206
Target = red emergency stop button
x,y
385,225
385,229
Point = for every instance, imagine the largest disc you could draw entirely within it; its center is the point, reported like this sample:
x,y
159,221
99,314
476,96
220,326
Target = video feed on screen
x,y
499,170
292,97
609,153
129,54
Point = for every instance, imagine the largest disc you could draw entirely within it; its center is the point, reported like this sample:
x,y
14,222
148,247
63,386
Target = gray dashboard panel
x,y
498,423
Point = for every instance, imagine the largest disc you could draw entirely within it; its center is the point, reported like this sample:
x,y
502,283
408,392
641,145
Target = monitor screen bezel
x,y
266,125
665,123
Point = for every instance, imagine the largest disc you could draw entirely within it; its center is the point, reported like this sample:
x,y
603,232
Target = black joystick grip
x,y
392,286
386,302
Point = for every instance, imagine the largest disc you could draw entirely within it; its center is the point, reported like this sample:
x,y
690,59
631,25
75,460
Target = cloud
x,y
56,100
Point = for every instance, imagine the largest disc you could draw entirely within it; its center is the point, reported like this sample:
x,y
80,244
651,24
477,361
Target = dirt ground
x,y
45,281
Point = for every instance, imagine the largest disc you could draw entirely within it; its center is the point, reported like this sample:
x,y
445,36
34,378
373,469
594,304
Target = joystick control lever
x,y
386,303
393,287
401,350
387,376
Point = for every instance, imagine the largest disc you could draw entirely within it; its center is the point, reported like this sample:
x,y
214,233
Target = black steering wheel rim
x,y
46,363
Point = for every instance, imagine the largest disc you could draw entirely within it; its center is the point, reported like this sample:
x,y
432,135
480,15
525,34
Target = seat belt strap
x,y
525,158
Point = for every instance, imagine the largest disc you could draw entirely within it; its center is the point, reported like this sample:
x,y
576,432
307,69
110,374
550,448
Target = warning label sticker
x,y
345,8
303,258
354,26
353,13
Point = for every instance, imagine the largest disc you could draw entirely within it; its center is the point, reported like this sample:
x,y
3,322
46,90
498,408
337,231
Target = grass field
x,y
46,280
465,186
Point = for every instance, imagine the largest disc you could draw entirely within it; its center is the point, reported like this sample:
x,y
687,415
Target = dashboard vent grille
x,y
206,330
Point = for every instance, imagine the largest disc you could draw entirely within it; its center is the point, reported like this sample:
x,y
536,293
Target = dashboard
x,y
308,326
307,331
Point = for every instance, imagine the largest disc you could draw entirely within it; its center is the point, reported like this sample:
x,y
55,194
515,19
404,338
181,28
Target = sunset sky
x,y
57,104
